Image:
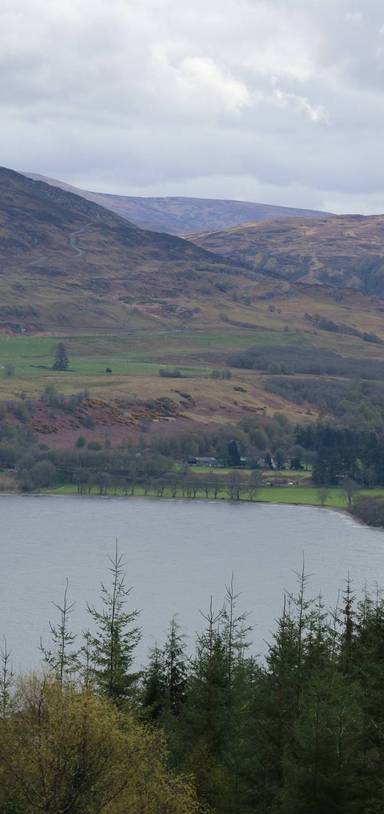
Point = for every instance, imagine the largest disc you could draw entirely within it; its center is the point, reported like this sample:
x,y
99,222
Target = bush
x,y
221,374
170,374
79,753
369,510
9,371
43,474
80,442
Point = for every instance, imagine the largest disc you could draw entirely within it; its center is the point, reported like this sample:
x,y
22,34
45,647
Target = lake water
x,y
178,554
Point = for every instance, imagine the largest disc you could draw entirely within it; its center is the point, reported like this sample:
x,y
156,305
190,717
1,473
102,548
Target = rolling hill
x,y
130,304
179,215
345,251
66,261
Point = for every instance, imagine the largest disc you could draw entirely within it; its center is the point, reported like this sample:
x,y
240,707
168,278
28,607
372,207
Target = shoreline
x,y
64,492
272,499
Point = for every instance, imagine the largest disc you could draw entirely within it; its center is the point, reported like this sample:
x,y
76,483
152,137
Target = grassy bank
x,y
293,495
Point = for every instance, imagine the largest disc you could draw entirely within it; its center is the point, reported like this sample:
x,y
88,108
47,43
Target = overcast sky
x,y
280,101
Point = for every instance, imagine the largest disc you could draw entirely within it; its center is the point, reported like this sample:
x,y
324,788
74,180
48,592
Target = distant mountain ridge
x,y
180,215
112,254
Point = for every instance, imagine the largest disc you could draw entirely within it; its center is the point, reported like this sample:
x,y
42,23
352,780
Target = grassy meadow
x,y
287,495
136,356
135,361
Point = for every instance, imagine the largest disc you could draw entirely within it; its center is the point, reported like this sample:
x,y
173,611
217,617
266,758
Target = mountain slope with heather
x,y
171,334
67,262
345,251
180,215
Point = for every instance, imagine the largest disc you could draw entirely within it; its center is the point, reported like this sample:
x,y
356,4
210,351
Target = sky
x,y
278,101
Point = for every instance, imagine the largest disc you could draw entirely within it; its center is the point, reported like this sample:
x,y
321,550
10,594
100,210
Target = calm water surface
x,y
178,554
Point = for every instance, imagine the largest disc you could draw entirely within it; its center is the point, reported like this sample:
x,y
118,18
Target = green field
x,y
136,357
32,358
268,474
26,366
139,342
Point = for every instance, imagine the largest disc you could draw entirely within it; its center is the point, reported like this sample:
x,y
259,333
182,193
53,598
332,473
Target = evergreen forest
x,y
209,728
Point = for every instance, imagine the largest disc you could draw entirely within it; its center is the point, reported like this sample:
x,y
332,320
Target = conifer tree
x,y
319,639
235,629
239,744
116,636
368,669
274,705
61,361
175,668
320,769
348,632
204,719
61,658
7,677
154,685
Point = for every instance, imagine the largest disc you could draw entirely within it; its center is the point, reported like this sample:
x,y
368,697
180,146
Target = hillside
x,y
345,251
172,335
66,262
177,215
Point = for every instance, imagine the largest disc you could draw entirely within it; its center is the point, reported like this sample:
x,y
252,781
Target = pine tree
x,y
204,719
236,752
320,767
7,677
61,361
235,629
348,632
113,644
175,668
62,660
368,670
274,706
154,685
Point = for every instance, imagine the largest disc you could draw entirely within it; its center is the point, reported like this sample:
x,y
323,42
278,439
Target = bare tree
x,y
323,493
254,484
233,486
350,488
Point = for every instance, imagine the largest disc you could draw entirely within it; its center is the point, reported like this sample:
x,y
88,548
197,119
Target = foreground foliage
x,y
220,731
68,750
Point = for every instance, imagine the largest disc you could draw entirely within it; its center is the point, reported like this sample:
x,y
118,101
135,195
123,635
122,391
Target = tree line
x,y
351,403
344,453
217,730
332,452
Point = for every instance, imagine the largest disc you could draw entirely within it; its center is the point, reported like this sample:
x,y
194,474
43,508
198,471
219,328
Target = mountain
x,y
177,216
231,342
67,261
346,251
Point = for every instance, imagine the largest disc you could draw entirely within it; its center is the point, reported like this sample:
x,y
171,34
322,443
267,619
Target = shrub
x,y
80,442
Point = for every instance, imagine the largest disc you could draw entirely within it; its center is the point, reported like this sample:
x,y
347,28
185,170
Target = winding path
x,y
72,241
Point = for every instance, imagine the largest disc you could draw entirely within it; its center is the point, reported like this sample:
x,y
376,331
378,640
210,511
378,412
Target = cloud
x,y
354,17
315,113
200,79
238,98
